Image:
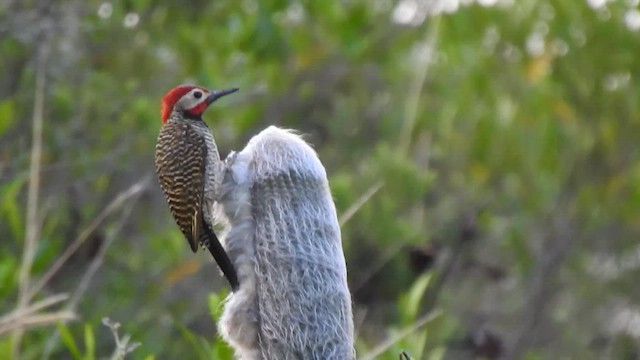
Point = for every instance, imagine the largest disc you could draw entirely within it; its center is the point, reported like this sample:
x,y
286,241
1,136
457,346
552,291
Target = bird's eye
x,y
197,94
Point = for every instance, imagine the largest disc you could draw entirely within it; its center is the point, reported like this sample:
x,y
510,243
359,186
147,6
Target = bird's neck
x,y
181,116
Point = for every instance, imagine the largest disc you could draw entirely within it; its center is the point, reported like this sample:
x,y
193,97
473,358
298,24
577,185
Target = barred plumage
x,y
190,171
180,166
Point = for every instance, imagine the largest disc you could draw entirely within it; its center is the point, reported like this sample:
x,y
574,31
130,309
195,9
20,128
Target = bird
x,y
190,171
284,238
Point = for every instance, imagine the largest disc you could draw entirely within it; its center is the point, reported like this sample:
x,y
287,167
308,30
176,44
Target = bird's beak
x,y
217,94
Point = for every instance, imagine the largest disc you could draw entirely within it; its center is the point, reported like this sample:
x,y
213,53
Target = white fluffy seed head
x,y
285,242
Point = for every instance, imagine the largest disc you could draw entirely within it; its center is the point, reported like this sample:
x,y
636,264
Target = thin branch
x,y
359,320
404,145
348,215
542,287
420,76
29,310
20,324
353,209
389,254
123,347
116,204
32,230
96,161
387,344
433,292
97,261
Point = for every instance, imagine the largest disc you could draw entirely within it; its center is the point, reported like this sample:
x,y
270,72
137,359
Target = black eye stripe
x,y
197,94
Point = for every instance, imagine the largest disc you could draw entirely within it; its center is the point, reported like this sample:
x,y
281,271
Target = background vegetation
x,y
483,157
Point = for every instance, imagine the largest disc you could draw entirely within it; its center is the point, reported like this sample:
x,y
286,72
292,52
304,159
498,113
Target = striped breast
x,y
180,165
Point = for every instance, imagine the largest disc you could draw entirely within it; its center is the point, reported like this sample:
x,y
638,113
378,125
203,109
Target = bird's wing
x,y
209,239
180,165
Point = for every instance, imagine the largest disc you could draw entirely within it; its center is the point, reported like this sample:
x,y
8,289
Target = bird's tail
x,y
212,243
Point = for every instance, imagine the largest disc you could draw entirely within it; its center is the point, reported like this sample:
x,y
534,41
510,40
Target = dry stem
x,y
353,209
32,228
385,345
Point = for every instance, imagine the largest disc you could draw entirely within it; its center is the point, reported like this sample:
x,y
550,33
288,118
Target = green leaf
x,y
196,345
215,302
519,248
7,117
411,302
5,347
11,207
221,350
89,342
8,276
437,354
68,341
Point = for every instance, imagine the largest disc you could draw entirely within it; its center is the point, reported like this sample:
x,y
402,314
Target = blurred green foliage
x,y
494,149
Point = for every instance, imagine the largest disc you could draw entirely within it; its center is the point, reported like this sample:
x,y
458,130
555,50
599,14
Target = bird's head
x,y
190,100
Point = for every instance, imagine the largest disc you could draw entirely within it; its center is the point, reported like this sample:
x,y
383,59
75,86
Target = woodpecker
x,y
189,169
